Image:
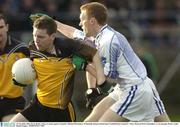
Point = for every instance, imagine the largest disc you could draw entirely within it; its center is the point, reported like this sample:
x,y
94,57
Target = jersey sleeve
x,y
23,48
110,59
78,35
85,49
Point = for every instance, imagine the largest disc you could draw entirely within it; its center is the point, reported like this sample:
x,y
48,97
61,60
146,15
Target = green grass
x,y
175,118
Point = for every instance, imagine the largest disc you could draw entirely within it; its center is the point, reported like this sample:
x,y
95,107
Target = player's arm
x,y
71,32
110,67
66,30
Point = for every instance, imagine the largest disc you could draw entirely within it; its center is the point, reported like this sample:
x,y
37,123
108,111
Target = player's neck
x,y
3,43
51,49
97,30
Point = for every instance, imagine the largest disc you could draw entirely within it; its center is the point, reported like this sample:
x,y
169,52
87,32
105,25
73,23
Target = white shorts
x,y
138,102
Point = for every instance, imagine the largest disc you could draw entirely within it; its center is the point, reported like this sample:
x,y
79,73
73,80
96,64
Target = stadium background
x,y
151,26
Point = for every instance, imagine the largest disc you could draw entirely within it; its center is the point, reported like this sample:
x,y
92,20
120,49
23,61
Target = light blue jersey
x,y
135,94
119,60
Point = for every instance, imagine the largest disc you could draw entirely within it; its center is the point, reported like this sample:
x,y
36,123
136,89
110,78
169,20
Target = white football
x,y
23,71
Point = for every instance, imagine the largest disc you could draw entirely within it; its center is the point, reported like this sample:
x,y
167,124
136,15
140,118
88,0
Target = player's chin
x,y
1,39
39,48
87,34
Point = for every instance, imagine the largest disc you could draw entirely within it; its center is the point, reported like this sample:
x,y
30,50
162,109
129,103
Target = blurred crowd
x,y
71,6
13,7
155,21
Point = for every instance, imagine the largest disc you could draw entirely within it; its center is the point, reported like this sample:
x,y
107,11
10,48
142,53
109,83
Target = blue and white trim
x,y
128,100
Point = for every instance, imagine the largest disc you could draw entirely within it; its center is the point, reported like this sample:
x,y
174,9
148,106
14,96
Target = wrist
x,y
78,35
105,88
92,92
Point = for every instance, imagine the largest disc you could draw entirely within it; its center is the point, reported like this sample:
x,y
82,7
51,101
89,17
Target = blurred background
x,y
151,26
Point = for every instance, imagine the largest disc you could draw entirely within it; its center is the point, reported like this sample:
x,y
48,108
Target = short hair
x,y
47,23
97,10
2,17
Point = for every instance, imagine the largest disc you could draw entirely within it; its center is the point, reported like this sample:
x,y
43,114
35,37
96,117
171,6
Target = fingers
x,y
91,95
90,103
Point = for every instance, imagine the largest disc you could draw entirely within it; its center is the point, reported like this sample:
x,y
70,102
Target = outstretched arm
x,y
66,30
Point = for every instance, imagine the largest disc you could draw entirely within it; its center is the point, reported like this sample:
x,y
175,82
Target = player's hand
x,y
35,16
105,88
91,95
18,84
79,62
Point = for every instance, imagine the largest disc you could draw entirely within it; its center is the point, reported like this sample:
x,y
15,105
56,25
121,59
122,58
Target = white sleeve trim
x,y
78,35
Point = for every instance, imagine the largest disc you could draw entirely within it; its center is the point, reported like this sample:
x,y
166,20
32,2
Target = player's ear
x,y
92,20
7,27
53,35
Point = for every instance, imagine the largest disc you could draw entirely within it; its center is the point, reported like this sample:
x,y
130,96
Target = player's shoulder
x,y
19,46
63,43
16,43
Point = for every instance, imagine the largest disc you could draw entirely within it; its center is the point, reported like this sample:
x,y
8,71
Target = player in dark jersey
x,y
11,100
52,59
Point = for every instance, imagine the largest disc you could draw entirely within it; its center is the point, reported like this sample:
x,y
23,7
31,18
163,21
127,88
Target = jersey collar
x,y
101,30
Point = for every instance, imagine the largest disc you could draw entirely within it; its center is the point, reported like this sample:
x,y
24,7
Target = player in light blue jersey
x,y
135,97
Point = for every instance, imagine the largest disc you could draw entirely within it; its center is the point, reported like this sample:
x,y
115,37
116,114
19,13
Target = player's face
x,y
3,34
43,41
86,24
